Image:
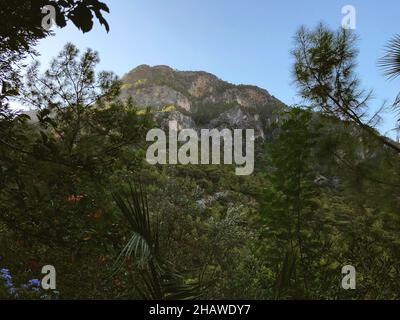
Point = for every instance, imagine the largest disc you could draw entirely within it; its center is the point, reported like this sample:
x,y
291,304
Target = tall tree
x,y
324,71
80,106
21,29
291,209
81,132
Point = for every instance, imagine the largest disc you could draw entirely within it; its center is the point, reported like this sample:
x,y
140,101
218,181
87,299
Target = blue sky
x,y
242,41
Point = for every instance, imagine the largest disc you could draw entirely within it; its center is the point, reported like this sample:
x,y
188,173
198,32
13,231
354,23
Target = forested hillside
x,y
324,195
77,193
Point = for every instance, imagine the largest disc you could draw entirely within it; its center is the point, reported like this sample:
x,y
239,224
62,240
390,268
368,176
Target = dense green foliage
x,y
324,71
21,29
77,193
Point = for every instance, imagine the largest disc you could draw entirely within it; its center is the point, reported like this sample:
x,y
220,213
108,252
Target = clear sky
x,y
240,41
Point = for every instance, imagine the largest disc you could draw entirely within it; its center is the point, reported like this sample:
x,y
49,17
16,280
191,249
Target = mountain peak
x,y
200,95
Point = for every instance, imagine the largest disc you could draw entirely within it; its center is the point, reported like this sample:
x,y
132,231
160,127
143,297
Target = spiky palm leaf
x,y
159,278
144,242
390,62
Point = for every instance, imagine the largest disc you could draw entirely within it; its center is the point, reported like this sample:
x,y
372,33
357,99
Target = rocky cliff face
x,y
200,100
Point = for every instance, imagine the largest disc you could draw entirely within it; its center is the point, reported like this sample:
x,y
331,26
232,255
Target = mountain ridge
x,y
199,99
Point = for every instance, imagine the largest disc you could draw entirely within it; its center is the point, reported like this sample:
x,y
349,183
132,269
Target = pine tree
x,y
290,207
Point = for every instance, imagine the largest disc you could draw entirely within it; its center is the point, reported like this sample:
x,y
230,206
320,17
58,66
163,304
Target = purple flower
x,y
4,271
34,282
6,277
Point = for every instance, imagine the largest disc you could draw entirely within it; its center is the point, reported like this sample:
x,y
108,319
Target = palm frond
x,y
159,280
390,62
143,244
